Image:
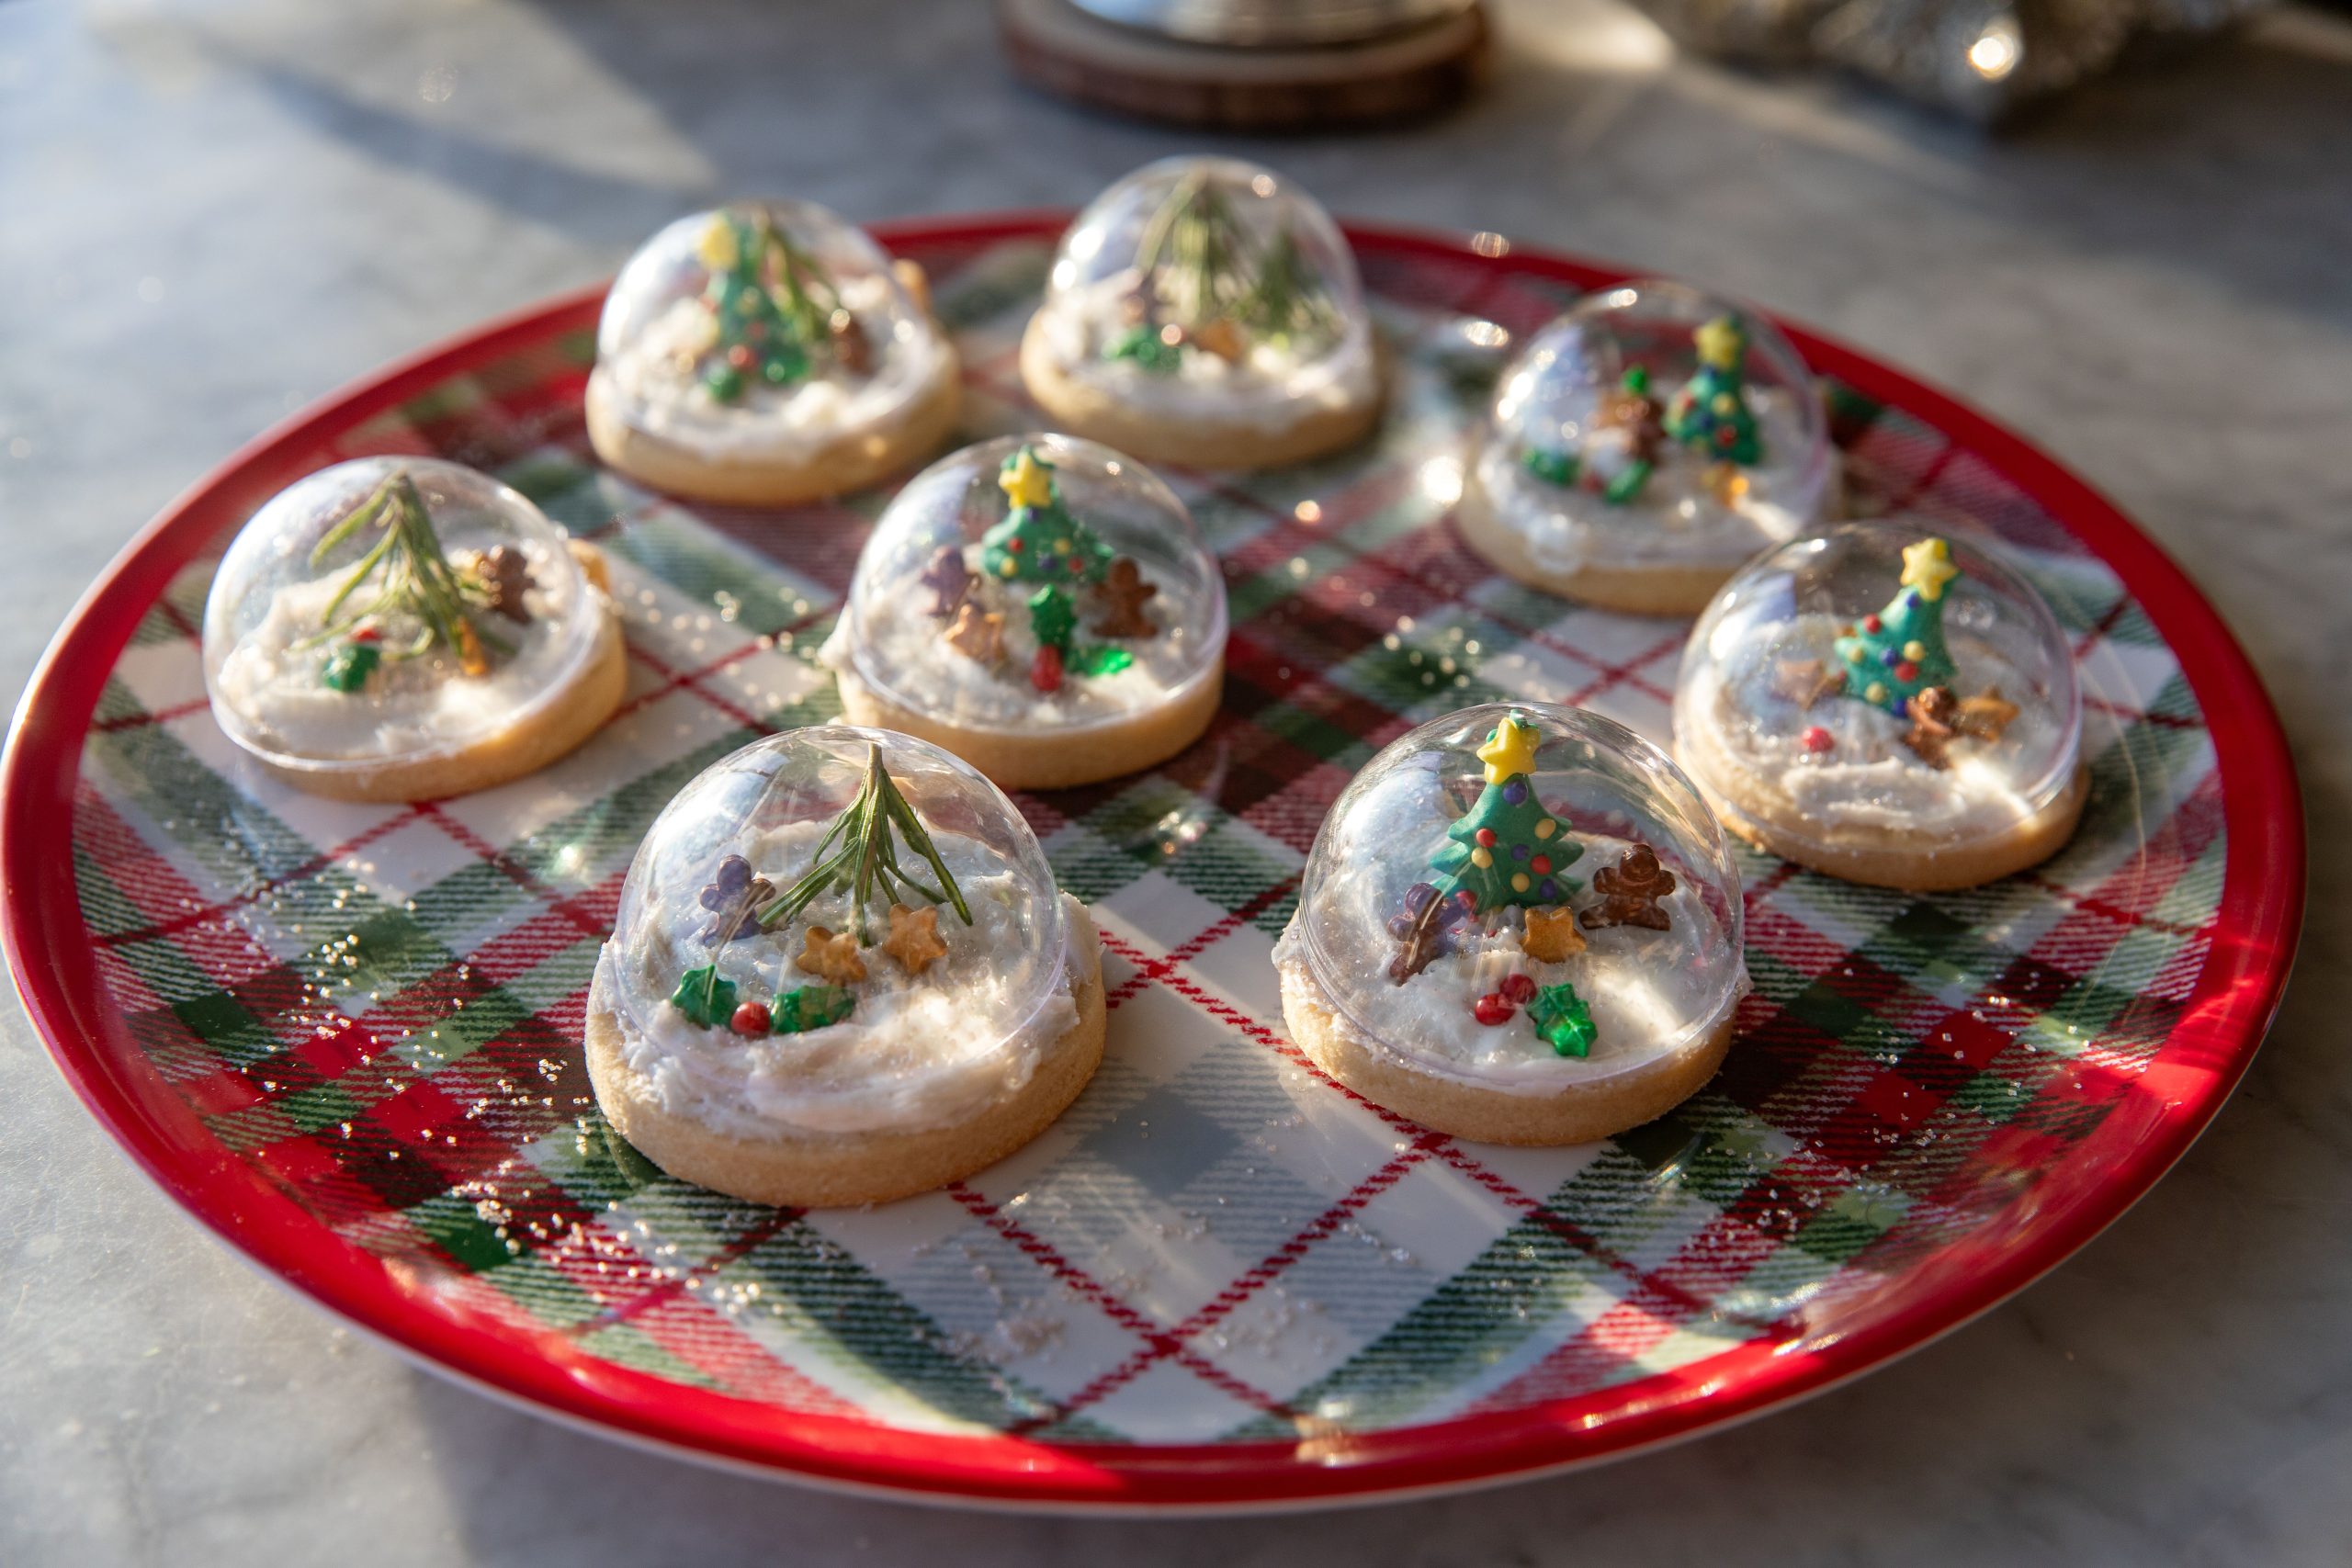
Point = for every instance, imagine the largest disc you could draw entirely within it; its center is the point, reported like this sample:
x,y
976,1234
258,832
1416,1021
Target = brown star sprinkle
x,y
831,957
1806,682
1552,935
1986,716
977,635
914,938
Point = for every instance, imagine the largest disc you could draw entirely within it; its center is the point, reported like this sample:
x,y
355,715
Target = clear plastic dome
x,y
389,609
1518,890
1034,582
1654,424
762,320
868,1008
1198,284
1876,682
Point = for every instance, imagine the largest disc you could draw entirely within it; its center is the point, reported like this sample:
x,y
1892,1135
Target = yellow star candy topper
x,y
1511,750
1720,343
717,247
1026,481
1927,566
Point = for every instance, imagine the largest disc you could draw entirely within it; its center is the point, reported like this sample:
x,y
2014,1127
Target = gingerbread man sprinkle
x,y
1629,891
1123,593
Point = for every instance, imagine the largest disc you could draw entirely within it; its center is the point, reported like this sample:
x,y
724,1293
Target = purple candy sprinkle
x,y
1518,851
1545,891
1515,791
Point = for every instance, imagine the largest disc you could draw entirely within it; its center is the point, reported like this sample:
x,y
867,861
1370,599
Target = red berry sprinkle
x,y
751,1018
740,356
1870,624
1519,990
1541,865
1815,739
367,634
1017,545
1906,672
1046,670
1486,838
1491,1008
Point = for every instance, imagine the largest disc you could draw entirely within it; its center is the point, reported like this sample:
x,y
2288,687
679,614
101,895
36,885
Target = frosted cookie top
x,y
1521,896
1033,582
391,609
764,326
1655,423
838,929
1210,289
1879,679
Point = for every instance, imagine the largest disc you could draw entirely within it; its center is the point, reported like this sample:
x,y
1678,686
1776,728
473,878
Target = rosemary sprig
x,y
801,288
1192,251
412,575
859,852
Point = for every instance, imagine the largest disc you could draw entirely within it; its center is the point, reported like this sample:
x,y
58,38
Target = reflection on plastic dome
x,y
389,608
1522,894
1654,425
1876,684
1033,581
838,929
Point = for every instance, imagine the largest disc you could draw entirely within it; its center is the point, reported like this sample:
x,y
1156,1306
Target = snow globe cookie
x,y
840,974
1206,312
766,354
1643,448
1519,924
405,628
1042,607
1885,705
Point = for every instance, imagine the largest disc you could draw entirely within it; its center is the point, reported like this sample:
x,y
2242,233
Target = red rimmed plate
x,y
344,1036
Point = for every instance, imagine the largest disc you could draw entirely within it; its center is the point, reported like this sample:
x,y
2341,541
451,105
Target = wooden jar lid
x,y
1077,56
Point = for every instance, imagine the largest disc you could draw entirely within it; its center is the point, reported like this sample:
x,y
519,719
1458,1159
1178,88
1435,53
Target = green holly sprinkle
x,y
1563,1020
1553,467
1098,658
1149,350
704,998
348,667
811,1006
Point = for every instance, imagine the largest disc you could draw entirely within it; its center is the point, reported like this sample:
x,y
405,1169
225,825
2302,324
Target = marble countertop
x,y
215,212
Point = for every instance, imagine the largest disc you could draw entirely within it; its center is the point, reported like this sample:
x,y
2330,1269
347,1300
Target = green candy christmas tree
x,y
1710,410
1893,656
771,304
1039,541
1507,848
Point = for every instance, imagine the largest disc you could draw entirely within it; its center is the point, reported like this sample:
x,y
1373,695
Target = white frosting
x,y
272,688
898,648
657,379
1650,992
1675,520
1868,778
917,1051
1269,388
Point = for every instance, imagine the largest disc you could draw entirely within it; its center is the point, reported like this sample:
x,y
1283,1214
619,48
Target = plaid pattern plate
x,y
347,1036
